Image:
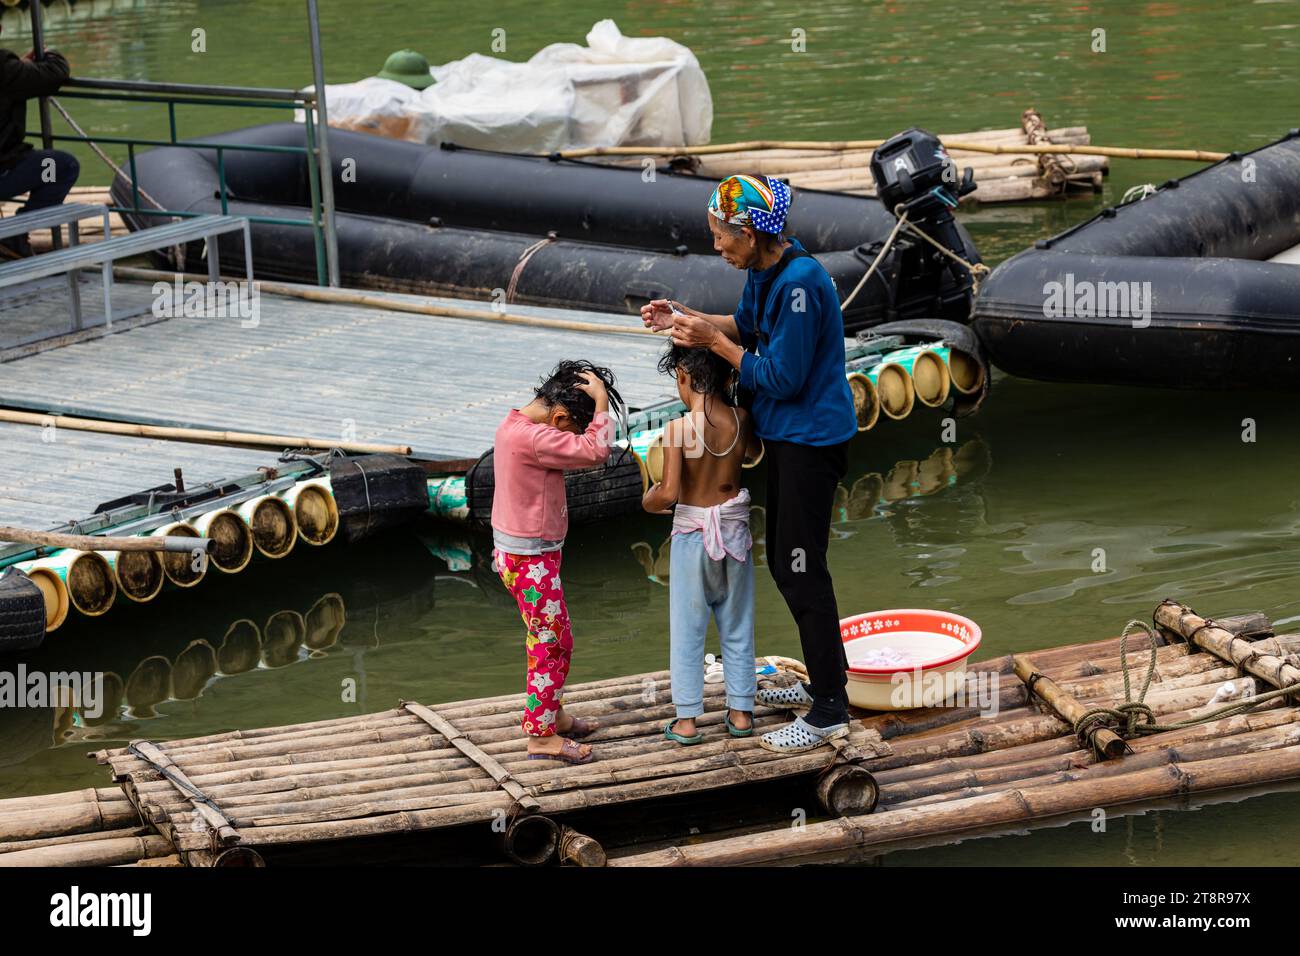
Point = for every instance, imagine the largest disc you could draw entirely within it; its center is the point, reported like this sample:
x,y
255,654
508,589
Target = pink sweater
x,y
530,461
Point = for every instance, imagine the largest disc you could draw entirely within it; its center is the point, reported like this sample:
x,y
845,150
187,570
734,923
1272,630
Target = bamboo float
x,y
183,569
894,386
315,512
88,578
53,590
866,400
232,539
202,436
273,524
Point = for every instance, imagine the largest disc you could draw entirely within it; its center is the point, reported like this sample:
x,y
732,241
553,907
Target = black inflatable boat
x,y
459,222
1176,289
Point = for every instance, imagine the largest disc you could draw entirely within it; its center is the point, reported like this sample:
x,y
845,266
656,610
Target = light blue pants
x,y
697,587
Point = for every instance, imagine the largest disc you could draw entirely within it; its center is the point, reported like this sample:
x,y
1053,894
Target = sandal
x,y
684,741
796,695
569,753
579,728
801,736
736,731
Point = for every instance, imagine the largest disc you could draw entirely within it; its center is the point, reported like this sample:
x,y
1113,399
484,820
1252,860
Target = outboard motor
x,y
915,175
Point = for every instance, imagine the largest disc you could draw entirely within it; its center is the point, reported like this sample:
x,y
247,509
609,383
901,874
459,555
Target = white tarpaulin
x,y
616,91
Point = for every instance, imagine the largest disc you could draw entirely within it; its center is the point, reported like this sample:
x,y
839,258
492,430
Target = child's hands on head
x,y
593,386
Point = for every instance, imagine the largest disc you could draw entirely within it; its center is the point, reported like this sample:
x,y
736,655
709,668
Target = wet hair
x,y
710,373
561,388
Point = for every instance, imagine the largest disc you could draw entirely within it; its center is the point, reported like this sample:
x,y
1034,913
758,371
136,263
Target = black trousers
x,y
801,483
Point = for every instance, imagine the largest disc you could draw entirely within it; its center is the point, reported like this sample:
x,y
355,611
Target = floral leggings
x,y
534,580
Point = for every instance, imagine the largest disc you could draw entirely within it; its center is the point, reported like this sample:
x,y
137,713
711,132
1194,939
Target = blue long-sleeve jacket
x,y
800,391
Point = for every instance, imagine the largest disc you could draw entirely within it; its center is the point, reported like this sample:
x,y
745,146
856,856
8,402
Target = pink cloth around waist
x,y
725,526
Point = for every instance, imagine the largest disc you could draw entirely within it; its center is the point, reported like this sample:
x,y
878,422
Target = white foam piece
x,y
1291,255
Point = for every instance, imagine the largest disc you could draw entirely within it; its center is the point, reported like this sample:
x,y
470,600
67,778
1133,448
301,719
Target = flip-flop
x,y
736,731
569,753
684,741
579,728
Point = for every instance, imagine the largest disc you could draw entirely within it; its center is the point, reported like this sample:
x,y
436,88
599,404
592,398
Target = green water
x,y
1002,525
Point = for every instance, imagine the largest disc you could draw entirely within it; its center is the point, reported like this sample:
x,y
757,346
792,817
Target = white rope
x,y
1137,193
902,220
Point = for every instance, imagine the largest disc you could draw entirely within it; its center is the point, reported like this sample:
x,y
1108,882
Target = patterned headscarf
x,y
751,201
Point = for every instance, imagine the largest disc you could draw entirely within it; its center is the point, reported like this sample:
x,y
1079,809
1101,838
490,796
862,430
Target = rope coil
x,y
1133,718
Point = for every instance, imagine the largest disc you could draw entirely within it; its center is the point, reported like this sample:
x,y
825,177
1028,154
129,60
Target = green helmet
x,y
409,67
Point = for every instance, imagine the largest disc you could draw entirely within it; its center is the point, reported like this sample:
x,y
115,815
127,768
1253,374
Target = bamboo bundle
x,y
1021,163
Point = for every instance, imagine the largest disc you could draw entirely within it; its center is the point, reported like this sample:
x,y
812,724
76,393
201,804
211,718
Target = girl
x,y
710,569
565,426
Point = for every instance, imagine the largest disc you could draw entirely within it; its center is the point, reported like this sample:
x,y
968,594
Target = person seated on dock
x,y
710,571
789,316
565,426
46,175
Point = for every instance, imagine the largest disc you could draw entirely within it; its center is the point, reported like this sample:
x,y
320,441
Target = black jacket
x,y
20,80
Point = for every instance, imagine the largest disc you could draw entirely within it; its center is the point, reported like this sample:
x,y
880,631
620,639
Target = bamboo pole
x,y
967,143
1106,741
109,852
1203,632
91,542
1249,742
202,436
341,297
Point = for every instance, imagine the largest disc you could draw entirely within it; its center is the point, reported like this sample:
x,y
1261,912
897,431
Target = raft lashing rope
x,y
1134,718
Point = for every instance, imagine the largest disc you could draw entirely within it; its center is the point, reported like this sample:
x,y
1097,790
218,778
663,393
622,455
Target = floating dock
x,y
1064,740
429,377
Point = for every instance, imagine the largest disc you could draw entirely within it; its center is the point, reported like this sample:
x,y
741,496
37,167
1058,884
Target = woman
x,y
786,338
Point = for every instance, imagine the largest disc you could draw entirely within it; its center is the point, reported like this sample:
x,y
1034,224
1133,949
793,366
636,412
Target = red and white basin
x,y
904,658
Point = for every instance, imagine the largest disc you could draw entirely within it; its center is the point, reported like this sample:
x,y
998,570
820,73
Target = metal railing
x,y
315,152
175,94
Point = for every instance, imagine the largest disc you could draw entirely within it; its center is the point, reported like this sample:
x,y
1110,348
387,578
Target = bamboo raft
x,y
999,177
902,779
